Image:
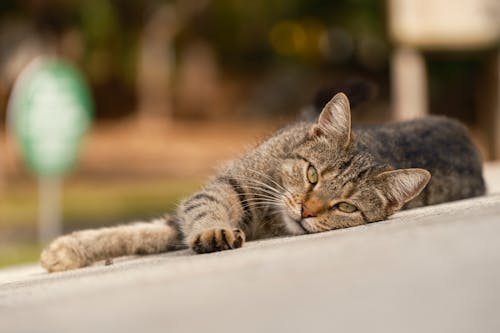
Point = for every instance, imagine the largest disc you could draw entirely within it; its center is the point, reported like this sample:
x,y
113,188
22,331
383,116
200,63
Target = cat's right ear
x,y
401,185
334,120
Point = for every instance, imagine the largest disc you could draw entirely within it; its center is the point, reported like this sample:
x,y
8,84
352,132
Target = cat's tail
x,y
82,248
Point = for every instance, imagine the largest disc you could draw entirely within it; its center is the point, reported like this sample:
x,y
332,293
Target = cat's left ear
x,y
335,120
402,185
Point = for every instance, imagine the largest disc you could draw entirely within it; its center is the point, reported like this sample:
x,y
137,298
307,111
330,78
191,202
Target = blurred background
x,y
180,86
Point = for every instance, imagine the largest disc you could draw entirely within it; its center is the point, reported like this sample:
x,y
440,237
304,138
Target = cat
x,y
306,178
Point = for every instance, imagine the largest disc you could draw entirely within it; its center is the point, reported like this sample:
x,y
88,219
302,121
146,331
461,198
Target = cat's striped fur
x,y
308,177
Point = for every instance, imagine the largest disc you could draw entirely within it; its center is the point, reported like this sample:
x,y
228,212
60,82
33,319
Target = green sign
x,y
50,110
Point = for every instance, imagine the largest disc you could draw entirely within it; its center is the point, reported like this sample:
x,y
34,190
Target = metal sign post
x,y
49,111
50,221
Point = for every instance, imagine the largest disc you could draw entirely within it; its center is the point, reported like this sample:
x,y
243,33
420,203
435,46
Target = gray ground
x,y
434,269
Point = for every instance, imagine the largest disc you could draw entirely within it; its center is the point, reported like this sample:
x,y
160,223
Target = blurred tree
x,y
249,39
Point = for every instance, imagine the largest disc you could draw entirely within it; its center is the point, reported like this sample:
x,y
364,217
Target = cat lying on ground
x,y
306,178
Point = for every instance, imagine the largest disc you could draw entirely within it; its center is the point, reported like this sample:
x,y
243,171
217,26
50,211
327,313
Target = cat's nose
x,y
306,212
312,207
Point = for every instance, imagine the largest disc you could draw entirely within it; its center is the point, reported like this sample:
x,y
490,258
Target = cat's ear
x,y
335,120
402,185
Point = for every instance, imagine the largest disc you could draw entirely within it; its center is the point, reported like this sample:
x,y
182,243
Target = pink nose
x,y
312,207
306,212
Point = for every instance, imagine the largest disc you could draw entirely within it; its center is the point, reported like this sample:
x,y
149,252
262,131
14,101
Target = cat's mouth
x,y
299,222
296,225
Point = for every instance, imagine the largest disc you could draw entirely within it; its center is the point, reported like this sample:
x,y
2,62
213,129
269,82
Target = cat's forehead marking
x,y
337,168
347,190
330,171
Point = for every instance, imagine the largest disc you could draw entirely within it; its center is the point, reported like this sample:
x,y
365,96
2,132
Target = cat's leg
x,y
82,248
214,219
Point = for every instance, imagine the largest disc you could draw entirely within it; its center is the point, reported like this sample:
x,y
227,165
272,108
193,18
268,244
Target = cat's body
x,y
308,177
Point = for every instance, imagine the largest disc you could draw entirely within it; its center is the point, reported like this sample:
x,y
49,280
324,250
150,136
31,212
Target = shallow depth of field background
x,y
180,86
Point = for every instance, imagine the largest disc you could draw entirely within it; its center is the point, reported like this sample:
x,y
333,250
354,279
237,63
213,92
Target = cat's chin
x,y
294,226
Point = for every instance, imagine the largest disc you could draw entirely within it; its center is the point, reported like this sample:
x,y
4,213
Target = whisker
x,y
258,182
271,218
262,204
256,185
268,177
263,198
258,195
258,188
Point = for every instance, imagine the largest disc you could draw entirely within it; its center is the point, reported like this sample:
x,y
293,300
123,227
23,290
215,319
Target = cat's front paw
x,y
217,239
63,254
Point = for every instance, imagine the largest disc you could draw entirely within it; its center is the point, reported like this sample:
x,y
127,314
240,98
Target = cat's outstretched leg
x,y
82,248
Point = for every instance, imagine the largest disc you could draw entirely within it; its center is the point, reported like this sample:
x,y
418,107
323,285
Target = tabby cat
x,y
306,178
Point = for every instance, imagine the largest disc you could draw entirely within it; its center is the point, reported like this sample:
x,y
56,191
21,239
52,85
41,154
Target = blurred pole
x,y
496,107
409,84
488,105
155,64
49,201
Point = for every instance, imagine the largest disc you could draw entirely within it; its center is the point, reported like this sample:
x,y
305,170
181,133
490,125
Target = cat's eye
x,y
312,175
346,207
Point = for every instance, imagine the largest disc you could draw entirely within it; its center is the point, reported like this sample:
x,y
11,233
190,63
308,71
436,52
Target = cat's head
x,y
332,183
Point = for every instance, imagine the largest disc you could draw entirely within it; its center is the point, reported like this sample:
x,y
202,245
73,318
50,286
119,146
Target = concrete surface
x,y
433,269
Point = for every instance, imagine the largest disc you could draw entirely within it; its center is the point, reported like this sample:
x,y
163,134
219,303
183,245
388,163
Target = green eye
x,y
312,175
346,207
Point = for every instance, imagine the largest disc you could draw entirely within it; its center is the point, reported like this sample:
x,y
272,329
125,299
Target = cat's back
x,y
441,145
431,142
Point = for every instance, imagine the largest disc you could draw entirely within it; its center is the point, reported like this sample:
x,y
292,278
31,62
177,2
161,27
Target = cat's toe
x,y
239,238
63,254
218,239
